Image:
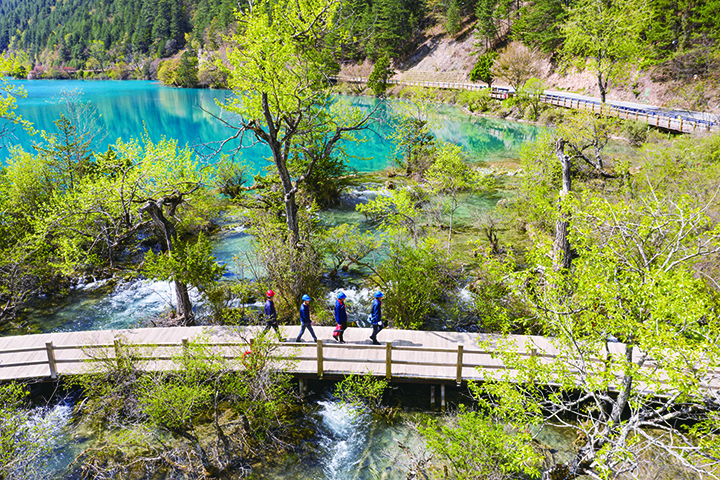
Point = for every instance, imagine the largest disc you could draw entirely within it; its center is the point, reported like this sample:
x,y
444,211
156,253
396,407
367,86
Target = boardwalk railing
x,y
323,359
685,122
414,356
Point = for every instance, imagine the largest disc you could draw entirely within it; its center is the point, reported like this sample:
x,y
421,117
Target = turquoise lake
x,y
127,108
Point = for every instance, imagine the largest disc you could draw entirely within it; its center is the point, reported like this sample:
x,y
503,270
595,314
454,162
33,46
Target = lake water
x,y
127,108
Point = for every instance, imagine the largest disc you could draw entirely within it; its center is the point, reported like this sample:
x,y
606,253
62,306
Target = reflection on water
x,y
128,108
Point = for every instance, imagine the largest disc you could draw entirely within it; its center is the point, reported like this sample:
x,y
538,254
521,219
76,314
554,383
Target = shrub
x,y
635,131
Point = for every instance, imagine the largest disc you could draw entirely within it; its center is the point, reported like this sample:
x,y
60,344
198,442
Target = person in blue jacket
x,y
340,317
376,317
271,314
305,318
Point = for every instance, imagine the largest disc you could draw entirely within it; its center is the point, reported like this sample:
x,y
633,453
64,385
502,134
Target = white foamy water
x,y
346,440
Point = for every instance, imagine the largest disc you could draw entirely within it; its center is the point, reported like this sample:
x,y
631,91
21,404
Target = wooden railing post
x,y
51,359
458,378
320,358
118,354
388,360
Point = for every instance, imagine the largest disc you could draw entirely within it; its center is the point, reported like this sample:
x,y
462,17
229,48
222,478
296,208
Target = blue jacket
x,y
304,313
340,313
376,312
270,313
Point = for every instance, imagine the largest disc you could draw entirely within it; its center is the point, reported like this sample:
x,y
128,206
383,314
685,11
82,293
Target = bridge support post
x,y
432,396
458,378
320,358
388,360
301,388
442,396
51,359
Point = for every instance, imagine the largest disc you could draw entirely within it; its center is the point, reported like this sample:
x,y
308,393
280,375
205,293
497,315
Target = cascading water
x,y
344,440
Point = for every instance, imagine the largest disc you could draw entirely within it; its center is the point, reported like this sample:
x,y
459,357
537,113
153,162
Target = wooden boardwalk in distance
x,y
674,121
416,356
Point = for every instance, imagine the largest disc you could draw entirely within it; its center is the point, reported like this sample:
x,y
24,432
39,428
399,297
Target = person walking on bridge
x,y
340,317
271,314
376,317
305,322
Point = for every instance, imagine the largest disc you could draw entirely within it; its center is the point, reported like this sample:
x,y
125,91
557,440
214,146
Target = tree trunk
x,y
561,247
184,307
155,211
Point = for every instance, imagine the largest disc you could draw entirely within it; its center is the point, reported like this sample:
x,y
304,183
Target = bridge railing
x,y
322,359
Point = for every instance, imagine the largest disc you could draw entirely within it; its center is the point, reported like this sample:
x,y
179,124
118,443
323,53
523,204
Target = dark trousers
x,y
303,326
272,324
376,329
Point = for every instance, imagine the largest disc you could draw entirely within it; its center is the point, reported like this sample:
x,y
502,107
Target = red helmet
x,y
270,293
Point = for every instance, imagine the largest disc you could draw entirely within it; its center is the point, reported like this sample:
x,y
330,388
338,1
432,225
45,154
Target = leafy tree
x,y
475,446
516,65
486,27
8,99
414,279
453,18
630,293
451,176
362,391
382,72
282,94
188,264
531,95
415,142
401,208
482,70
607,36
540,25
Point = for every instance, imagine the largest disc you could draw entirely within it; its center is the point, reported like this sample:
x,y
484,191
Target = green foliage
x,y
218,404
530,96
453,18
540,25
482,70
415,279
451,176
345,245
401,208
381,73
291,271
476,101
191,263
362,391
25,442
607,36
476,446
635,131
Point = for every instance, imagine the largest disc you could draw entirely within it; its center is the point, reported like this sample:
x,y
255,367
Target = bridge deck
x,y
403,354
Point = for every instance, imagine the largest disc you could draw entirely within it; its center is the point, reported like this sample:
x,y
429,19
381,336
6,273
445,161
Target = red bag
x,y
336,332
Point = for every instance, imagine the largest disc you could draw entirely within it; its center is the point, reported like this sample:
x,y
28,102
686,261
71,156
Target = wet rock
x,y
390,185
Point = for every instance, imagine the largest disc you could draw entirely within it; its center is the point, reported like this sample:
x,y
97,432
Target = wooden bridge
x,y
675,121
403,355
